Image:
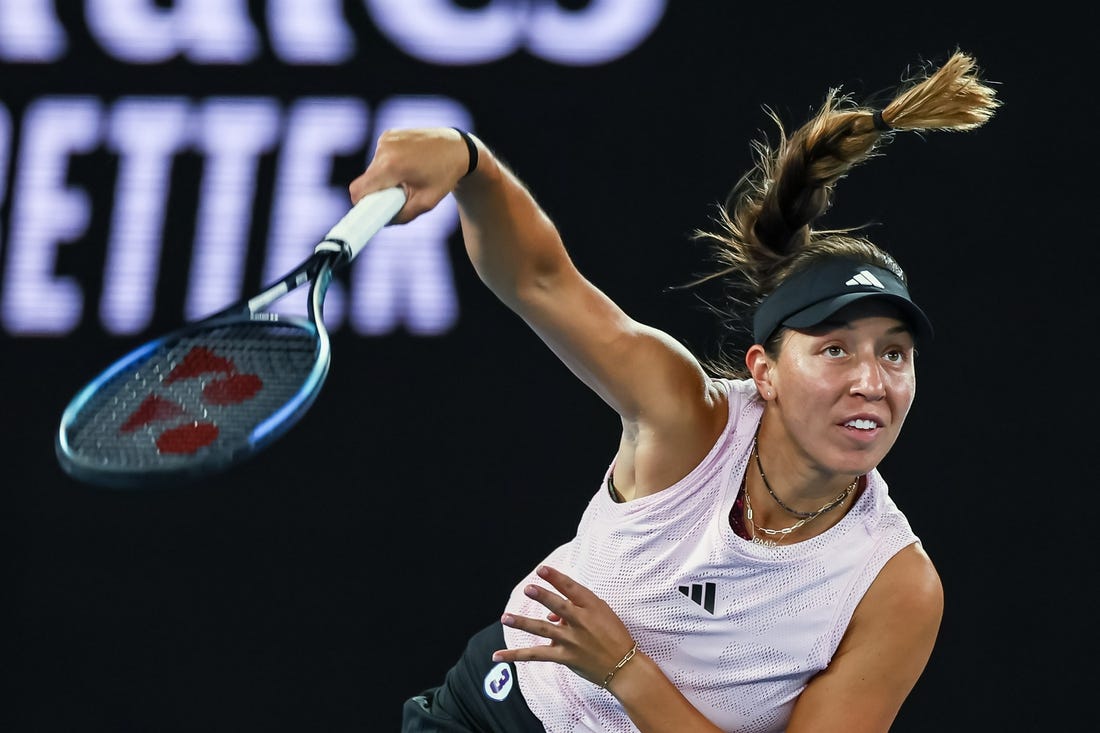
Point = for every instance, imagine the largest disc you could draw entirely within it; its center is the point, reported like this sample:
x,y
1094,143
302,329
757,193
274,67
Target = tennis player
x,y
741,565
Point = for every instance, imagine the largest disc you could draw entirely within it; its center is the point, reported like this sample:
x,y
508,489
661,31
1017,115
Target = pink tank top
x,y
739,628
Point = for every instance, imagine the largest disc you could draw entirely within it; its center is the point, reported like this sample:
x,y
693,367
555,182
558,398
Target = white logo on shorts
x,y
499,681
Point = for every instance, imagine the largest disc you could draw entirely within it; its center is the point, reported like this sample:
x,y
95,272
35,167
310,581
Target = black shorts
x,y
478,695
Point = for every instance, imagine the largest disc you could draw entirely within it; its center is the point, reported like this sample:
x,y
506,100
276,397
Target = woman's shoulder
x,y
907,588
734,387
740,395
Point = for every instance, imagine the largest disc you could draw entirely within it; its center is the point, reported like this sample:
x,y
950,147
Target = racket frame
x,y
340,246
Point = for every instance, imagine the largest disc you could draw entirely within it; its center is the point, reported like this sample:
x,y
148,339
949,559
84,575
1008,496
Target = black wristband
x,y
471,148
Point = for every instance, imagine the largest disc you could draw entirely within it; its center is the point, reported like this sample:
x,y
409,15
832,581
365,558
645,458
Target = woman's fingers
x,y
548,652
583,632
554,603
427,163
571,589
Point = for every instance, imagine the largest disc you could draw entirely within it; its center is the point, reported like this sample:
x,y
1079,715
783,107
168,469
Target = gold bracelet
x,y
629,655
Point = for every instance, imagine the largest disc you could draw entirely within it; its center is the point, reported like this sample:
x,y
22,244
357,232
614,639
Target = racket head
x,y
194,402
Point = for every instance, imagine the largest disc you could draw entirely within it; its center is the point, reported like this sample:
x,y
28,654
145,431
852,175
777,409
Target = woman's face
x,y
845,386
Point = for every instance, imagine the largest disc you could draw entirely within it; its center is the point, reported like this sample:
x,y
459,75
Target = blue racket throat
x,y
214,393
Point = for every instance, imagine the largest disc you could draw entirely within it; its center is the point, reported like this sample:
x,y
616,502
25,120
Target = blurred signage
x,y
402,281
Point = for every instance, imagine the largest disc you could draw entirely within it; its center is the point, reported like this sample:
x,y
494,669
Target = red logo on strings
x,y
230,388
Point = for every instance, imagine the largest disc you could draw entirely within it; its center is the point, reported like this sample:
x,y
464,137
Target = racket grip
x,y
364,220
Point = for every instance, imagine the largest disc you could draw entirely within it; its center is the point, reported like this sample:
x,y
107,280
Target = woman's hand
x,y
427,163
585,634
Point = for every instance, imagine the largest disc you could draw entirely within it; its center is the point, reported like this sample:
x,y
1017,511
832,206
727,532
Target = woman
x,y
742,566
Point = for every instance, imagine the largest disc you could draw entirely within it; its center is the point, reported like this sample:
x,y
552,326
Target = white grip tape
x,y
366,218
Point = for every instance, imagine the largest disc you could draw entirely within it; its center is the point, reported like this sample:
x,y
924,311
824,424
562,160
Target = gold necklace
x,y
804,515
782,534
752,526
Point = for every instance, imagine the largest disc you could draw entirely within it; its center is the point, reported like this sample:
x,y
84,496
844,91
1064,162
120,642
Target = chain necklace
x,y
781,534
806,516
775,536
756,540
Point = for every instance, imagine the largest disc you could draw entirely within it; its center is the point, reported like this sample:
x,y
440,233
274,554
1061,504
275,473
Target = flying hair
x,y
765,227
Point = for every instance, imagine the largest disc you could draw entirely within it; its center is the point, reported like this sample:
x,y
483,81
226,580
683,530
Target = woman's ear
x,y
760,368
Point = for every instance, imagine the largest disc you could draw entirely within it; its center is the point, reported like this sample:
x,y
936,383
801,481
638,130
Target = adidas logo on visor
x,y
865,278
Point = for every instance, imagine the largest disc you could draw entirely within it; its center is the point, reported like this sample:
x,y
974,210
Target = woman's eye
x,y
895,356
834,351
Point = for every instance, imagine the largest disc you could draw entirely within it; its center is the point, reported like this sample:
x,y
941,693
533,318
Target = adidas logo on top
x,y
864,277
700,593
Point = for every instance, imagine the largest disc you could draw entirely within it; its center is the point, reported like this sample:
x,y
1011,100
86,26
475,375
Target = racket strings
x,y
199,397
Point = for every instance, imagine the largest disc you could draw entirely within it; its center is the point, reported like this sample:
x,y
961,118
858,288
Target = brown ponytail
x,y
765,228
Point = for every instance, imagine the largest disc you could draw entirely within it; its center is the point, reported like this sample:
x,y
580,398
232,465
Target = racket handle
x,y
366,218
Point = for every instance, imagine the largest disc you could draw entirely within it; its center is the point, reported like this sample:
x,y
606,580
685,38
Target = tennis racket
x,y
215,392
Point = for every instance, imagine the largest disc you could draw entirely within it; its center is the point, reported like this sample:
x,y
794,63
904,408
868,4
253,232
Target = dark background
x,y
319,585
